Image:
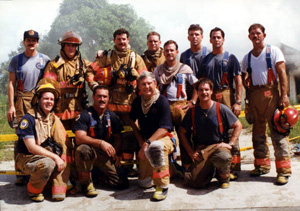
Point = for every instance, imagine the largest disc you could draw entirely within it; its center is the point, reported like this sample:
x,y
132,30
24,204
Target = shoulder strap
x,y
268,57
20,63
107,115
218,109
42,61
249,69
225,58
193,122
204,49
187,57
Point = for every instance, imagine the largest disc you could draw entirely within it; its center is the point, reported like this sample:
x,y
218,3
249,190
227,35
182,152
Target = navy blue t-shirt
x,y
207,127
26,129
158,116
90,118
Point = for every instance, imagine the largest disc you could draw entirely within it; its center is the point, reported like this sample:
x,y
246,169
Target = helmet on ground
x,y
285,119
70,37
46,85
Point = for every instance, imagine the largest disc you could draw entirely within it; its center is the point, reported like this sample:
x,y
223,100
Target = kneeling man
x,y
152,130
41,149
98,143
211,151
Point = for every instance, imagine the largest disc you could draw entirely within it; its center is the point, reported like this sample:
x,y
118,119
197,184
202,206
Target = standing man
x,y
69,69
152,130
25,70
262,67
154,55
223,69
172,77
122,66
211,151
41,150
194,55
98,136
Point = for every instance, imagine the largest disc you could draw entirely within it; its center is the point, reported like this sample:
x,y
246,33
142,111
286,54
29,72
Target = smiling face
x,y
121,42
216,39
147,86
70,50
204,92
47,102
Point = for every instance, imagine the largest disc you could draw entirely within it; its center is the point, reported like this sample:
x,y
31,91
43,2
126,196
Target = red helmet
x,y
285,119
70,37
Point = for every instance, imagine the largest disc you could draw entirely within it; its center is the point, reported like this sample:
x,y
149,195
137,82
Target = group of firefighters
x,y
165,105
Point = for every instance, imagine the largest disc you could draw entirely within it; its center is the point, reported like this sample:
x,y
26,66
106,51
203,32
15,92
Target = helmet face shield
x,y
285,119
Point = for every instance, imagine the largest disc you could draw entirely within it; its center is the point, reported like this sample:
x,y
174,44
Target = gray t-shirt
x,y
213,67
32,69
192,59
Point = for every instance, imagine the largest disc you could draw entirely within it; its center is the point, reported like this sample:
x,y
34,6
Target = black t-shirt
x,y
158,116
89,118
207,127
25,130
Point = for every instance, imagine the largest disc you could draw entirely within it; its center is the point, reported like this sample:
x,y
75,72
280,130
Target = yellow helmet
x,y
46,85
70,37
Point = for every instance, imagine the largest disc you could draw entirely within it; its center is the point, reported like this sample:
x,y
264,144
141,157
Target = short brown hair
x,y
203,81
195,27
256,25
121,31
171,42
216,29
100,87
152,34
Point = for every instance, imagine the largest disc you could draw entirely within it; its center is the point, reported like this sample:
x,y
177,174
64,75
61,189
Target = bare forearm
x,y
239,87
237,128
137,133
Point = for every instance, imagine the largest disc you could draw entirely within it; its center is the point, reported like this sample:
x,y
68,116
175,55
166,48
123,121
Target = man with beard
x,y
154,55
25,70
209,122
223,69
122,66
264,74
172,77
69,69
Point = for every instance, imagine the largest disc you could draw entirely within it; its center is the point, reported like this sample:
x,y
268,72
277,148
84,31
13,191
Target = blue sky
x,y
170,19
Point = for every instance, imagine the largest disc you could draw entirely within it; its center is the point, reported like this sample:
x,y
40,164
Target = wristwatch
x,y
239,102
148,142
230,144
193,102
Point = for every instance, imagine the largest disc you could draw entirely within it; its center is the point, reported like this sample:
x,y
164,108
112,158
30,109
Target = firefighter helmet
x,y
46,85
285,119
70,37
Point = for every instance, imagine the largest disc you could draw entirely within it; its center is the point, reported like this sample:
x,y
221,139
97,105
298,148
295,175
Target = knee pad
x,y
155,154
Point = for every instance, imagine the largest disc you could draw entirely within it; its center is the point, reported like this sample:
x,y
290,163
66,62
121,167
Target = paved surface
x,y
245,194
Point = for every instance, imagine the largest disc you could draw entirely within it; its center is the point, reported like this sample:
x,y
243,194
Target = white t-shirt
x,y
259,65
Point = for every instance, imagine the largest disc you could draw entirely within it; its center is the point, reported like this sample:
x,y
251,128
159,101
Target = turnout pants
x,y
263,102
157,171
226,97
87,157
201,172
41,170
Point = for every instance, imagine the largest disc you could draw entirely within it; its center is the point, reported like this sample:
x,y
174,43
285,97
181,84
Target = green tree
x,y
95,21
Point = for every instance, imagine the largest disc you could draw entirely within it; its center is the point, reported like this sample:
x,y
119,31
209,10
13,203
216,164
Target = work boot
x,y
21,180
160,194
233,176
224,185
37,197
89,190
282,180
257,172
